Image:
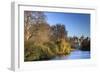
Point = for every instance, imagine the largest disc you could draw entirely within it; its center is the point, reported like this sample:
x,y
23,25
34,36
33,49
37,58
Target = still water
x,y
76,54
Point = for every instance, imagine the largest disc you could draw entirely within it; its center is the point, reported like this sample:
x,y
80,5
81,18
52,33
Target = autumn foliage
x,y
42,41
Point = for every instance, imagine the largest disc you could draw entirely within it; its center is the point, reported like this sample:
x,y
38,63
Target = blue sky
x,y
76,24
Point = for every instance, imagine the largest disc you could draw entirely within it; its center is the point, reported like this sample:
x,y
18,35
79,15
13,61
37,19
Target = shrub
x,y
45,51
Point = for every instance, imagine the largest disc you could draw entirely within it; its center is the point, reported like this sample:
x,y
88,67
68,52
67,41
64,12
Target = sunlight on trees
x,y
42,41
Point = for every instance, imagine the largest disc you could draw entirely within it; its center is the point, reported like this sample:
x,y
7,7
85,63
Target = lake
x,y
76,54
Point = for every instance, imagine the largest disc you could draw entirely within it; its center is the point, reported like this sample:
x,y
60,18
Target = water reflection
x,y
76,54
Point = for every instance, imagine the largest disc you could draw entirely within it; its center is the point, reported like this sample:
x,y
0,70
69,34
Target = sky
x,y
77,24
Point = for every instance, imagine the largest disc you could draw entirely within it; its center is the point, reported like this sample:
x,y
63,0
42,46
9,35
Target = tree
x,y
31,20
41,34
27,25
58,32
85,44
36,33
59,36
43,41
38,17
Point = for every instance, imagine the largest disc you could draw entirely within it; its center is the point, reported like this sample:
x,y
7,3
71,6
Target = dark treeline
x,y
85,44
82,43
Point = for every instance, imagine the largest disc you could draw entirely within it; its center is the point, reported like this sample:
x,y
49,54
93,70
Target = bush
x,y
38,52
45,51
64,48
